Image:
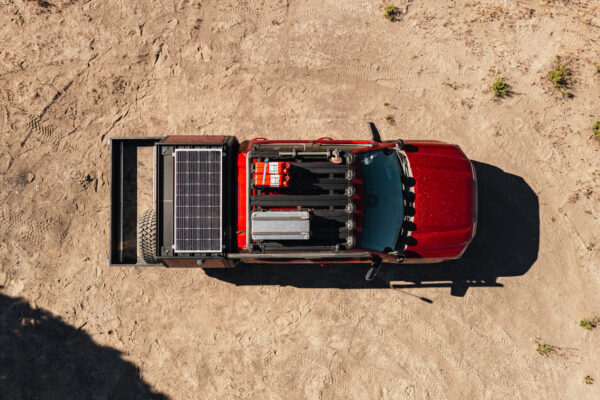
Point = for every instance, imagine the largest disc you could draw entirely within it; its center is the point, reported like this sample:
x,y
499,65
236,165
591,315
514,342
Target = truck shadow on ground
x,y
44,358
506,245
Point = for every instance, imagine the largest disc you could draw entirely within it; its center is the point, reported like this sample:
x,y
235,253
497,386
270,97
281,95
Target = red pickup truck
x,y
218,202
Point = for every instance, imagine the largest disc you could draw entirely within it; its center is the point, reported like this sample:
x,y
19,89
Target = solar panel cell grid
x,y
198,200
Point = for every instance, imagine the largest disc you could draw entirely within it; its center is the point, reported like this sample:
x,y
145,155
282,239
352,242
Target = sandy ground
x,y
73,74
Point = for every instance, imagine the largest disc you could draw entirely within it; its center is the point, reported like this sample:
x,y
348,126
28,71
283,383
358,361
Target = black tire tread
x,y
147,236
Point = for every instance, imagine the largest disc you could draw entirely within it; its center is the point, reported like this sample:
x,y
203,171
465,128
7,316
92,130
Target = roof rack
x,y
321,183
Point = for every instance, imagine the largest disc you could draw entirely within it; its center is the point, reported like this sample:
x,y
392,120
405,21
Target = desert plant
x,y
566,93
385,104
590,247
390,12
597,68
589,323
449,83
545,349
500,87
588,380
596,129
559,76
390,119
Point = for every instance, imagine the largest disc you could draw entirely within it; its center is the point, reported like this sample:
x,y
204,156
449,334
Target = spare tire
x,y
147,236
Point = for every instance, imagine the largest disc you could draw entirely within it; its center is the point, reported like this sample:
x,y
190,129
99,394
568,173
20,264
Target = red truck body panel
x,y
444,200
241,200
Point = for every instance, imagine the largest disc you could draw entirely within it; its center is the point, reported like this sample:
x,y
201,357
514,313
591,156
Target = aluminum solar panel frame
x,y
198,201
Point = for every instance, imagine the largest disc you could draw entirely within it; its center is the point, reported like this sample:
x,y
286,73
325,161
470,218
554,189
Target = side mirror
x,y
374,133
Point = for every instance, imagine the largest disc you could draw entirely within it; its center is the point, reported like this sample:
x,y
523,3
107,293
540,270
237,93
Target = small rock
x,y
30,177
14,288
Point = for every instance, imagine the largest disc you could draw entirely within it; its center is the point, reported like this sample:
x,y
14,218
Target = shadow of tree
x,y
506,245
41,357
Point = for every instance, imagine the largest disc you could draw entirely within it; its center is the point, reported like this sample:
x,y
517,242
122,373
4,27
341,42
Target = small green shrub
x,y
589,323
588,380
500,87
385,104
449,83
390,119
596,129
390,12
545,349
597,68
566,93
559,76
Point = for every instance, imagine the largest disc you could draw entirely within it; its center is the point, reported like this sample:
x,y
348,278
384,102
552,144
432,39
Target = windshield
x,y
383,205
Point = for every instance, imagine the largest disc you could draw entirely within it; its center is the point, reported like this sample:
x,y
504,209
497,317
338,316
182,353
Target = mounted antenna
x,y
374,133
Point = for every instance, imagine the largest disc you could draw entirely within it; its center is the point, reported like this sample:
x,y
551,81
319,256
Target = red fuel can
x,y
273,167
271,180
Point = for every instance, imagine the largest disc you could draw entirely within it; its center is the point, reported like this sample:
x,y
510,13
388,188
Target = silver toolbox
x,y
280,225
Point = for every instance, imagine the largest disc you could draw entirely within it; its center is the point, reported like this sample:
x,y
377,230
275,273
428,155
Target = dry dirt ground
x,y
74,73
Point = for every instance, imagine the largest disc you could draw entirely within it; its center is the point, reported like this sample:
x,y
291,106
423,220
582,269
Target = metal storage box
x,y
280,225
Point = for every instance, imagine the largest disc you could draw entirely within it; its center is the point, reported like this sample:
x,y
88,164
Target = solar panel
x,y
198,200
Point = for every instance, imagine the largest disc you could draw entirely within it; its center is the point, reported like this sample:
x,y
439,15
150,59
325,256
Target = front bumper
x,y
475,201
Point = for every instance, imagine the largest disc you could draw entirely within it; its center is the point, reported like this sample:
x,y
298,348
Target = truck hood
x,y
444,200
